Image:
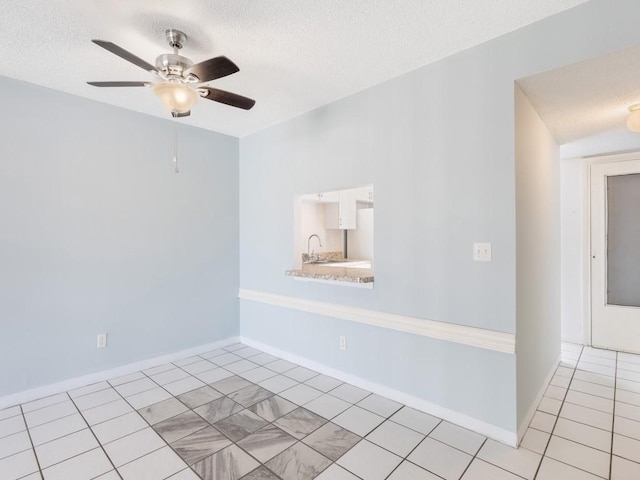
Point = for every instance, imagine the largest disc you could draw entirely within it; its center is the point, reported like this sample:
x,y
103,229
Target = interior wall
x,y
574,188
538,255
438,144
100,235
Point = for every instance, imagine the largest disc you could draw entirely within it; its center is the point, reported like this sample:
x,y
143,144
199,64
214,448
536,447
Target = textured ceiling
x,y
293,56
586,98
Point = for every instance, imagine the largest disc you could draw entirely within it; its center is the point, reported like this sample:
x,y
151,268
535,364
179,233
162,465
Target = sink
x,y
311,262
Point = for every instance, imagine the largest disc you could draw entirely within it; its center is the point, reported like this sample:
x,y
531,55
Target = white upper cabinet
x,y
341,214
324,197
364,194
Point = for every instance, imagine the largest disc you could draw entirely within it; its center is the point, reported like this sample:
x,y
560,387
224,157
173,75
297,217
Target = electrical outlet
x,y
343,343
482,252
102,340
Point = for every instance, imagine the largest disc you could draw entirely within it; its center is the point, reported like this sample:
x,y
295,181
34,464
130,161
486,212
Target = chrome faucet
x,y
310,255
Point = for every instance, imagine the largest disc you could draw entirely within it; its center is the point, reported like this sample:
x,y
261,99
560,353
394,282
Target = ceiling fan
x,y
182,81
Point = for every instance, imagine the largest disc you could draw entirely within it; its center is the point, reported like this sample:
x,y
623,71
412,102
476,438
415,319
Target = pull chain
x,y
175,147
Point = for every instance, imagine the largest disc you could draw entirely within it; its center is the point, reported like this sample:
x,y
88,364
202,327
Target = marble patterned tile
x,y
273,408
331,440
266,443
261,473
201,444
300,422
240,425
180,426
231,384
200,396
215,411
161,411
250,395
230,463
298,462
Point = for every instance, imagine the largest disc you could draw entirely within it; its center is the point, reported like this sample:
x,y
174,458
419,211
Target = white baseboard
x,y
77,382
522,429
479,426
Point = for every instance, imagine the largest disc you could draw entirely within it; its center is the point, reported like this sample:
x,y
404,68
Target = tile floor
x,y
239,413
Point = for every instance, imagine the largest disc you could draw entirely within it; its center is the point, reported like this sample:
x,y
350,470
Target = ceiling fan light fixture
x,y
633,121
176,97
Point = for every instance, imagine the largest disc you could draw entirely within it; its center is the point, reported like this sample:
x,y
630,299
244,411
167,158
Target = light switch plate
x,y
482,252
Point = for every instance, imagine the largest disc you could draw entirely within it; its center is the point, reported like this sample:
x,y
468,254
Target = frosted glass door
x,y
623,240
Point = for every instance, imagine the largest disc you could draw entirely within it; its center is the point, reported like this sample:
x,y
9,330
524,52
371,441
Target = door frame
x,y
586,231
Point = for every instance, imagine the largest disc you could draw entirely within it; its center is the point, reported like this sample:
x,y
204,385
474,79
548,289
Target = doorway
x,y
615,255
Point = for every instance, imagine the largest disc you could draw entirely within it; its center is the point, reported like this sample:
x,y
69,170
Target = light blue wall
x,y
97,234
438,146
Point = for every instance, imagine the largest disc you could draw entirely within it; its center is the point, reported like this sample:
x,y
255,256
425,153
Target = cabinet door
x,y
347,210
331,216
364,194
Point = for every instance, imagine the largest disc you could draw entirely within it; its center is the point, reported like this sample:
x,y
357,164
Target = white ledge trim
x,y
476,337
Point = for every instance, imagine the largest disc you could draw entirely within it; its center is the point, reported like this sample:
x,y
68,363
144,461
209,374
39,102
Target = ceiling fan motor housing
x,y
172,64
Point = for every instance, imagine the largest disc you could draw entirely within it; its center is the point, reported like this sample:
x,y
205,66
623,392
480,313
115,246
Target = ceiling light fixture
x,y
633,122
177,97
